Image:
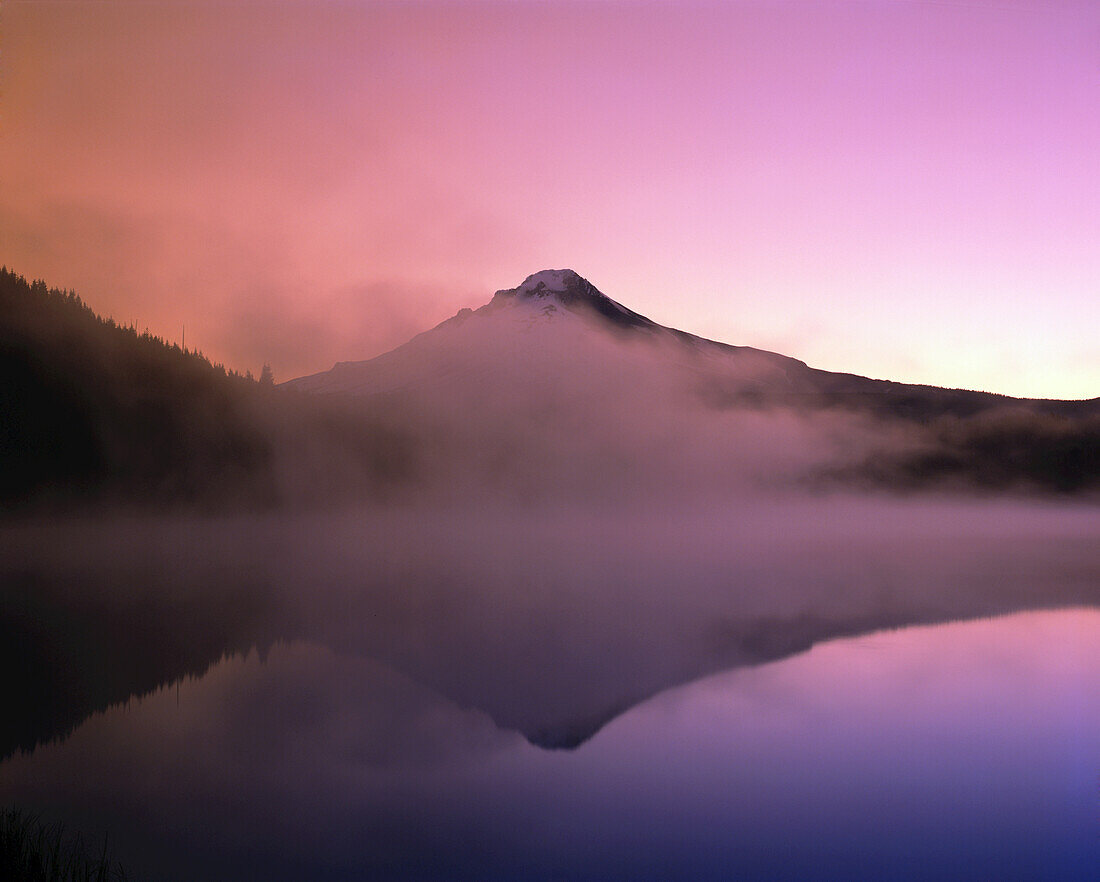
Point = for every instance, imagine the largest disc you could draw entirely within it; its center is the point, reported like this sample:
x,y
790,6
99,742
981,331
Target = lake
x,y
473,725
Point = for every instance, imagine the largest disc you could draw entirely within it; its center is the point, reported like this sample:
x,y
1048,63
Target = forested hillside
x,y
95,412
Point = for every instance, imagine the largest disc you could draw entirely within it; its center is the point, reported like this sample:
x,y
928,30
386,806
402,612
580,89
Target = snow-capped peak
x,y
551,282
569,289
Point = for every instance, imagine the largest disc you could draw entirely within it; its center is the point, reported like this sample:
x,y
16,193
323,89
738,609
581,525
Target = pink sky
x,y
907,190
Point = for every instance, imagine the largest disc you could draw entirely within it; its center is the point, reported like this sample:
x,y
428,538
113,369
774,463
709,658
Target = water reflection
x,y
552,622
966,750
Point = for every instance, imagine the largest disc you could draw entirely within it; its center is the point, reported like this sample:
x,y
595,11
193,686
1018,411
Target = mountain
x,y
554,319
552,390
551,325
560,355
553,315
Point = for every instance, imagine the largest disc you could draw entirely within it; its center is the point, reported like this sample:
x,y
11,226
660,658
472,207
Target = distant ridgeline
x,y
92,413
95,412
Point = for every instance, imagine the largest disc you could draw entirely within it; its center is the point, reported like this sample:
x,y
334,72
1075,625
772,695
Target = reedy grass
x,y
32,850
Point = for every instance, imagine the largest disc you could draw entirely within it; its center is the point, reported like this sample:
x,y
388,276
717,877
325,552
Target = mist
x,y
479,551
295,585
548,524
551,619
561,408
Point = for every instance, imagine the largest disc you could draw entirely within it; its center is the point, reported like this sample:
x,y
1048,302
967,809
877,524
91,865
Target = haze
x,y
898,189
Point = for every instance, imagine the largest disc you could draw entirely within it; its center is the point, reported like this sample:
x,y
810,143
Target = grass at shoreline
x,y
32,850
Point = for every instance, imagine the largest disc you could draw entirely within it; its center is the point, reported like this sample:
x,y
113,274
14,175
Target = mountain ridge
x,y
535,393
548,294
554,360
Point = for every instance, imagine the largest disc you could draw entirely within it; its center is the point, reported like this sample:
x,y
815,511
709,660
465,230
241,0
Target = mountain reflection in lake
x,y
958,751
418,671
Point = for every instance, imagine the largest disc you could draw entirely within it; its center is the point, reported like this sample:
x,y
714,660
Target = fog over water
x,y
462,607
555,589
551,620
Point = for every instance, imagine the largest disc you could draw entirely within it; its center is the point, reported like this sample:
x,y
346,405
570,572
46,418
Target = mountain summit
x,y
565,285
569,289
554,318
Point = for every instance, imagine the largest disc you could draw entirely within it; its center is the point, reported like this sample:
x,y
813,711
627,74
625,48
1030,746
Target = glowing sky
x,y
907,190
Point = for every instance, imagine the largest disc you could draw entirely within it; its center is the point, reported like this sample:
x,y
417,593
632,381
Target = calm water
x,y
968,750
